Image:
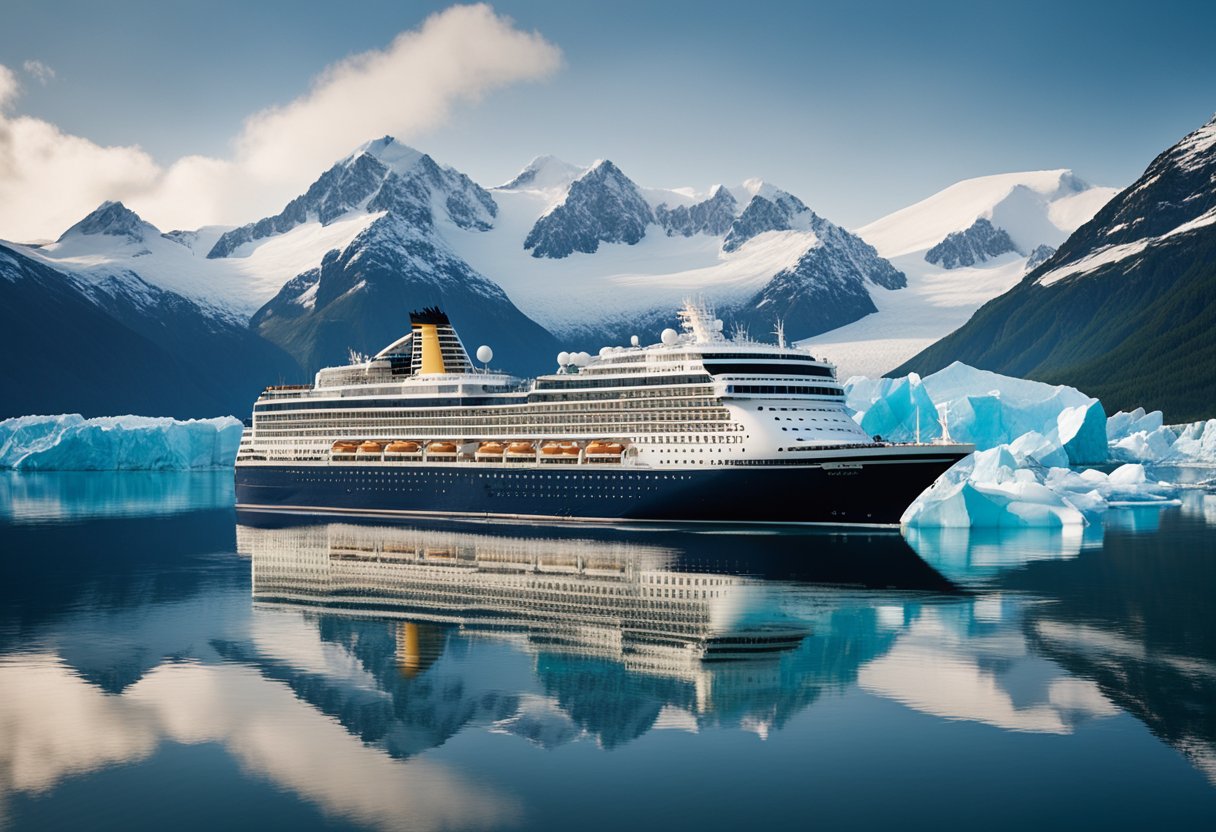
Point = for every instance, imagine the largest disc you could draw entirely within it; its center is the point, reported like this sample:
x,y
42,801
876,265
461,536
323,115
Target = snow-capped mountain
x,y
381,176
600,206
1124,309
111,342
713,216
560,257
959,248
978,243
603,257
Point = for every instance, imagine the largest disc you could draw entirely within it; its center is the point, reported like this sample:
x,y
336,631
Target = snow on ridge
x,y
1113,254
544,173
396,156
1021,203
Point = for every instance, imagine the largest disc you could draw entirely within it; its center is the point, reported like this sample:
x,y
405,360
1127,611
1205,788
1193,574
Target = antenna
x,y
779,331
917,423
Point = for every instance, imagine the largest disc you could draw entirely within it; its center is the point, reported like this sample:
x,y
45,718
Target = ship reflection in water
x,y
481,677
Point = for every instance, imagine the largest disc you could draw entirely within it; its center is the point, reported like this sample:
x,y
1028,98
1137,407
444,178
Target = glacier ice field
x,y
71,442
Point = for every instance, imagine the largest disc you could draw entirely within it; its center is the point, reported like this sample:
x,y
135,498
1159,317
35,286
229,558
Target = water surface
x,y
166,661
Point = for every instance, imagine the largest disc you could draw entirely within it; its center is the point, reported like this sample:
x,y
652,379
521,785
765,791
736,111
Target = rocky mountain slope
x,y
1125,308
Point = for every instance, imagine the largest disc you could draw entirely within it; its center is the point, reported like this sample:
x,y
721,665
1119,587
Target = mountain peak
x,y
395,155
114,219
544,173
603,205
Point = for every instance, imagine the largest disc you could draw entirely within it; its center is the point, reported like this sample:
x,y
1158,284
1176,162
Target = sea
x,y
169,662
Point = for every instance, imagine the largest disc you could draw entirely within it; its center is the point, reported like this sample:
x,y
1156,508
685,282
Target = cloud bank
x,y
49,179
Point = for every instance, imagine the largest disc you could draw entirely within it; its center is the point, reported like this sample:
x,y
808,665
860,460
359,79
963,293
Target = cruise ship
x,y
696,428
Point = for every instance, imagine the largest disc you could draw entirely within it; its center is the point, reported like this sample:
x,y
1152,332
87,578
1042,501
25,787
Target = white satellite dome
x,y
669,336
581,359
484,354
634,340
563,358
605,351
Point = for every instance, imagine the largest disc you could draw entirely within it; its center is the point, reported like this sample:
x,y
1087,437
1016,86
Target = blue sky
x,y
858,108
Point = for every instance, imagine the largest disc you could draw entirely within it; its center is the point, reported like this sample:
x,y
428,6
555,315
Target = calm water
x,y
168,662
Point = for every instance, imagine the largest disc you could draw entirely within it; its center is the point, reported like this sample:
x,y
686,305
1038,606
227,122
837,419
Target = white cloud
x,y
39,70
49,179
8,87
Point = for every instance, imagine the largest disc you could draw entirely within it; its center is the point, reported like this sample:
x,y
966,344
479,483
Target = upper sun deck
x,y
431,361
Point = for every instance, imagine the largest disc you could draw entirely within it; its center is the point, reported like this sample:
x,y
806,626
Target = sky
x,y
220,112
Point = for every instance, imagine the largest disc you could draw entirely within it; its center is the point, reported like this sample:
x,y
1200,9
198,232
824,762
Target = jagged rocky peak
x,y
770,209
544,173
1039,256
601,206
381,175
976,244
113,219
712,216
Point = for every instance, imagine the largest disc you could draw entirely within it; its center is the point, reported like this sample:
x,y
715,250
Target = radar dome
x,y
484,354
634,340
581,359
563,358
669,336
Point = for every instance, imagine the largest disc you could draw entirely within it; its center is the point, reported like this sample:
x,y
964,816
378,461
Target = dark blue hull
x,y
874,492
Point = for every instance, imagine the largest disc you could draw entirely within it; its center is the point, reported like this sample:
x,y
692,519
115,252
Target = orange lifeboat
x,y
441,448
403,447
605,448
551,449
569,449
370,447
344,447
521,448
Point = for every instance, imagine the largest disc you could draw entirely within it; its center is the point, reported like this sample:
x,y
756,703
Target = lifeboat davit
x,y
403,447
441,448
370,447
605,449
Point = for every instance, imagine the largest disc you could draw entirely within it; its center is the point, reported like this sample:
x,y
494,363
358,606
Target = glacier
x,y
69,442
982,408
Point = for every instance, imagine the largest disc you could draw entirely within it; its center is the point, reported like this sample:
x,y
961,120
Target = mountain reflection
x,y
341,661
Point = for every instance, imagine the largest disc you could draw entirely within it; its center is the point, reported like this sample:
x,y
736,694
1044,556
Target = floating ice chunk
x,y
1196,443
1082,432
1144,445
1041,449
72,443
983,408
991,489
1124,424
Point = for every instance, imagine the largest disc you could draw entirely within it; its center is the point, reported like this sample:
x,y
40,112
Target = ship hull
x,y
860,491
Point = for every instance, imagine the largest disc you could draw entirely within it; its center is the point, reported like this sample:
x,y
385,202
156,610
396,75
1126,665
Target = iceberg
x,y
991,489
70,442
1006,488
1142,437
983,408
1196,443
